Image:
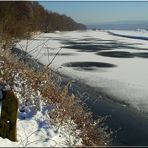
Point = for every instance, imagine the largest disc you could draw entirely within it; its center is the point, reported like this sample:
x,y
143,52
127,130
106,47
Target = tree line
x,y
20,17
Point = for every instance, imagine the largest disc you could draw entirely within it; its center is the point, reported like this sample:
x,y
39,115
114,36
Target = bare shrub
x,y
72,108
67,108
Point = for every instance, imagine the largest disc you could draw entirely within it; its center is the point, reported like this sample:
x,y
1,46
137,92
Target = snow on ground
x,y
140,33
125,80
37,132
136,33
35,128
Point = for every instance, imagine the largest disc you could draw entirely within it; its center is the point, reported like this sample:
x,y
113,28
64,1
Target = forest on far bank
x,y
20,17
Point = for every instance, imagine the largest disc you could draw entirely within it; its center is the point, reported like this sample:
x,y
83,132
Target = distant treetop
x,y
19,17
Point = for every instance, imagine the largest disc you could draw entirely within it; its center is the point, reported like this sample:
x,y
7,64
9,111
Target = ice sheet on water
x,y
126,82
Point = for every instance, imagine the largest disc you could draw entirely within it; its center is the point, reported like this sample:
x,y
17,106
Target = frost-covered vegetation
x,y
47,114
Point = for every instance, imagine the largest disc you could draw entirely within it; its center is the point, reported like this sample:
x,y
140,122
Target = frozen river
x,y
110,69
117,66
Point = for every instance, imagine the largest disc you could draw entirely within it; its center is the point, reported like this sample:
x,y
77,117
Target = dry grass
x,y
72,108
67,107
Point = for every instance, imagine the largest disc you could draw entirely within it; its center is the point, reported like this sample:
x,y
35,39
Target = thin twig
x,y
54,57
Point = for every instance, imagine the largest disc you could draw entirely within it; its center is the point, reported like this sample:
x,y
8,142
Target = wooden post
x,y
8,118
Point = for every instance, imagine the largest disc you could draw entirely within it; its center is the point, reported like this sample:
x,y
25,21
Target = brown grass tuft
x,y
67,107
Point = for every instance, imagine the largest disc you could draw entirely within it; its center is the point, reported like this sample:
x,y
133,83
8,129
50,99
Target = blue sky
x,y
99,12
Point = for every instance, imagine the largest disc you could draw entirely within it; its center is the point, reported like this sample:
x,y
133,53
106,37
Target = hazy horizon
x,y
99,12
121,22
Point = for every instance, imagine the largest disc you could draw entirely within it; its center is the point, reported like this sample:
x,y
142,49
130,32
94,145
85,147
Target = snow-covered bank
x,y
138,34
126,80
37,132
35,127
47,115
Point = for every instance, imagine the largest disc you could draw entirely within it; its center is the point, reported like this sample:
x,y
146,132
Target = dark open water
x,y
130,127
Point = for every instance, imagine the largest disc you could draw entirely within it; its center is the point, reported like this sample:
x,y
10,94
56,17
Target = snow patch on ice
x,y
126,82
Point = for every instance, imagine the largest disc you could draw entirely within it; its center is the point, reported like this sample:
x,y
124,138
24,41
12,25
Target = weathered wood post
x,y
8,118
